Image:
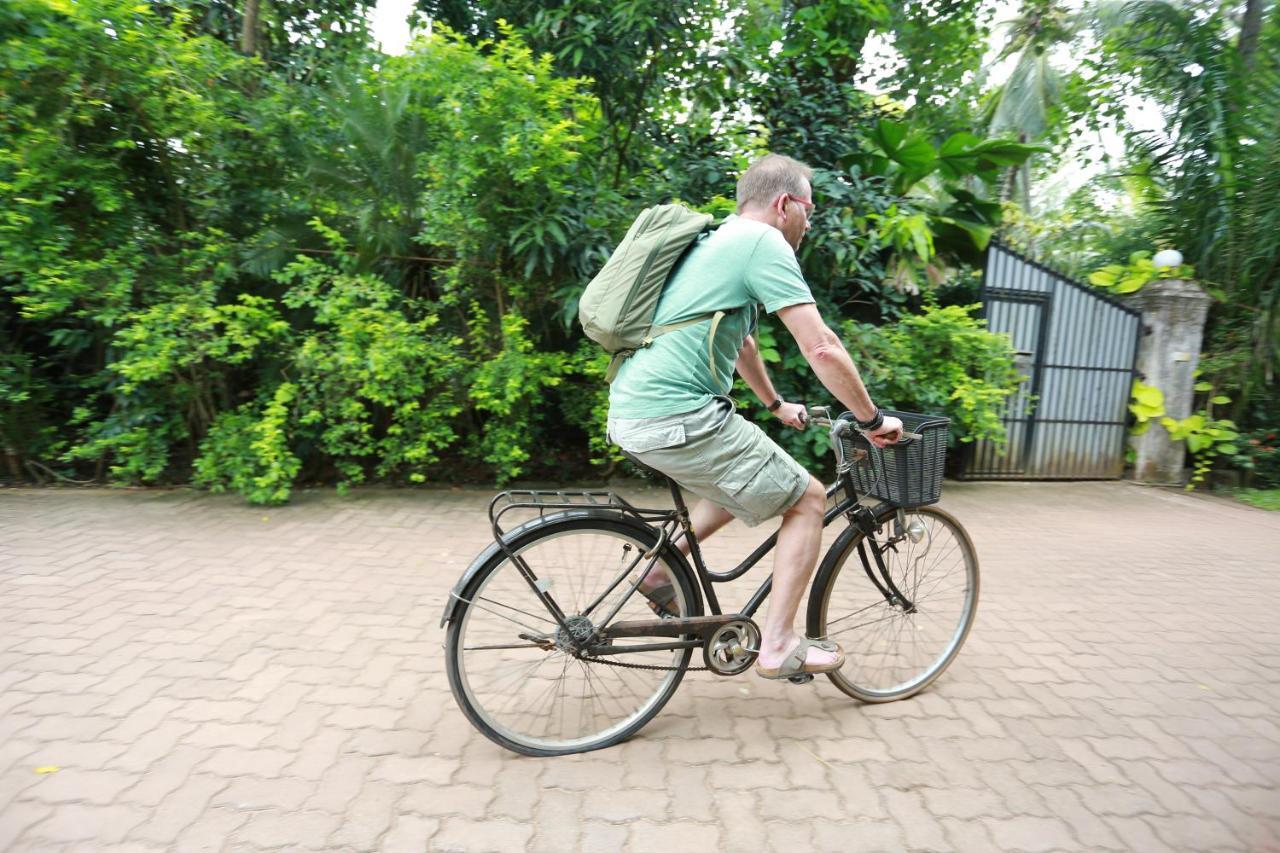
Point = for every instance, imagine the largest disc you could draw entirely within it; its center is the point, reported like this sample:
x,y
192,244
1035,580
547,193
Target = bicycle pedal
x,y
802,678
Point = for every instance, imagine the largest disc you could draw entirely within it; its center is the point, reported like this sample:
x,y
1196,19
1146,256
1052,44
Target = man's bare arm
x,y
752,370
828,358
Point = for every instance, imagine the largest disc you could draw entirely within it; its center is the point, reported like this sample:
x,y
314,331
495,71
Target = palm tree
x,y
1218,166
1022,106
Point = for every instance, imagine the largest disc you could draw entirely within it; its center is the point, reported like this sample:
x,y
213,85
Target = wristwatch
x,y
775,405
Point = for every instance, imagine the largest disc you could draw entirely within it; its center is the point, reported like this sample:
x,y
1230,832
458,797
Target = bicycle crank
x,y
732,647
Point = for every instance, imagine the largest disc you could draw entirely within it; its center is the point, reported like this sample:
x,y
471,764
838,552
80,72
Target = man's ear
x,y
780,206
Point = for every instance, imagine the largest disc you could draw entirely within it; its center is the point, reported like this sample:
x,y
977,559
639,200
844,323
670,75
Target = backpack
x,y
617,308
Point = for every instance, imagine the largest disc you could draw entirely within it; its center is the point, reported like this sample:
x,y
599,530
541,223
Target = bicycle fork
x,y
866,522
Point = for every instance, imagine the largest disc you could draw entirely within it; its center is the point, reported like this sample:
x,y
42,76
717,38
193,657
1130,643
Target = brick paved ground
x,y
207,676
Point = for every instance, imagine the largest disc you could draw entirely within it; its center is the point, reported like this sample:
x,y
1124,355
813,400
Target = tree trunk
x,y
1250,28
249,28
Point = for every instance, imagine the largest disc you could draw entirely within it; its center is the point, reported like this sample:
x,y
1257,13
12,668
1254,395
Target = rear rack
x,y
558,501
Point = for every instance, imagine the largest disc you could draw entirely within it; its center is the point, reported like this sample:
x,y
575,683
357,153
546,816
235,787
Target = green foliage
x,y
318,263
505,389
1207,438
944,361
1258,455
247,450
940,361
377,389
1261,498
1131,277
1146,404
944,223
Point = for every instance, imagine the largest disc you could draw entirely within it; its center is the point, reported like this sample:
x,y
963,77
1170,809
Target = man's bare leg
x,y
706,518
794,558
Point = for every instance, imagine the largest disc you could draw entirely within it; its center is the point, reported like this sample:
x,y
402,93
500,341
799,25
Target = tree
x,y
1214,171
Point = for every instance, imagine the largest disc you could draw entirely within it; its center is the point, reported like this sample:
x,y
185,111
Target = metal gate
x,y
1078,349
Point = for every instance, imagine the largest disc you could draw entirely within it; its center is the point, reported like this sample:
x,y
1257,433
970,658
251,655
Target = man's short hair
x,y
769,177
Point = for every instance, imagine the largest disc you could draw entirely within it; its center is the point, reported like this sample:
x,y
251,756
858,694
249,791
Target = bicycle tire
x,y
939,574
518,704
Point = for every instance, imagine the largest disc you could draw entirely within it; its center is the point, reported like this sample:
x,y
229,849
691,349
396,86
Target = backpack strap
x,y
615,364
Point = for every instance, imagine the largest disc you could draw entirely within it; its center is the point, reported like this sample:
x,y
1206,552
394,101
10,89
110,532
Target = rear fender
x,y
647,534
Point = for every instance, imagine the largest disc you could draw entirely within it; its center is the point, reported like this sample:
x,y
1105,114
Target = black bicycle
x,y
551,650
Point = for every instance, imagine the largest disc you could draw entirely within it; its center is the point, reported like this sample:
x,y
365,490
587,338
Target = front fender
x,y
644,532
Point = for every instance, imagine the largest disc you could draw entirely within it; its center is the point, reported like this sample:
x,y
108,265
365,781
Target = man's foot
x,y
659,592
802,656
662,600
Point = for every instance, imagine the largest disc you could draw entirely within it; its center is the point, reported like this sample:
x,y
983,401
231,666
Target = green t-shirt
x,y
742,264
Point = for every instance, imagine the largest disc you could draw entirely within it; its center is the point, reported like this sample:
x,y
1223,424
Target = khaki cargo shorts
x,y
718,455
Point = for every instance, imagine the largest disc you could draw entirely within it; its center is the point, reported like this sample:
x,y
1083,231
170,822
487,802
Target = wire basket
x,y
907,474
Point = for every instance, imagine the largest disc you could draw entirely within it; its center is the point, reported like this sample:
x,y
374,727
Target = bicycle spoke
x,y
568,704
891,652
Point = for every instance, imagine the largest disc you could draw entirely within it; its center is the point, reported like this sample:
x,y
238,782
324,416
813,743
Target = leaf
x,y
1107,276
1204,386
889,135
1221,400
1131,283
1148,395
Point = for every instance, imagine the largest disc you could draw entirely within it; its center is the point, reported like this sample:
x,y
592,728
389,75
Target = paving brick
x,y
466,800
252,794
492,836
78,822
649,837
179,810
368,818
340,784
871,837
922,829
1032,834
100,787
410,834
16,818
557,822
603,837
965,803
273,829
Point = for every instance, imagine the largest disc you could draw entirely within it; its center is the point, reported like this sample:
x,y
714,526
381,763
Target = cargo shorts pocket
x,y
762,485
643,439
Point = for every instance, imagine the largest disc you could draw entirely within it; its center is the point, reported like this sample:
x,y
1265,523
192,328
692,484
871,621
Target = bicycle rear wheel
x,y
516,676
893,648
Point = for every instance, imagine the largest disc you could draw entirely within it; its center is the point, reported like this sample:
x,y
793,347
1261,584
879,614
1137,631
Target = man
x,y
670,410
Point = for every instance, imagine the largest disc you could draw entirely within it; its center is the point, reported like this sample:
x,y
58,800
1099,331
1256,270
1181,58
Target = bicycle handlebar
x,y
821,416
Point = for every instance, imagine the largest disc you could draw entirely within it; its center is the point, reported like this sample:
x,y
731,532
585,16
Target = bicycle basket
x,y
905,474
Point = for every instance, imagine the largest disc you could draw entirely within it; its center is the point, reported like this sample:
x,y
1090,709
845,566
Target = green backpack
x,y
616,310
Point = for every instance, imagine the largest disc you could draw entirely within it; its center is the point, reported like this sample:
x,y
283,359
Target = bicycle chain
x,y
648,666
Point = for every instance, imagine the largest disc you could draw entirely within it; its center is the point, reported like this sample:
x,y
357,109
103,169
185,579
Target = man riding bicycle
x,y
669,407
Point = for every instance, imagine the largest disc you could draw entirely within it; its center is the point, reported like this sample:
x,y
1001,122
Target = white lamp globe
x,y
1167,258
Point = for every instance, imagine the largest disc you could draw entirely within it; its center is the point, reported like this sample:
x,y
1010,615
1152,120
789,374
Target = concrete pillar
x,y
1173,315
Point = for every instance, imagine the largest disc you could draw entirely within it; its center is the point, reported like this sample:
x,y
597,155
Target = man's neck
x,y
765,216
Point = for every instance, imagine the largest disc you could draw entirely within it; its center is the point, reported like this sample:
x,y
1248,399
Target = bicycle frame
x,y
671,525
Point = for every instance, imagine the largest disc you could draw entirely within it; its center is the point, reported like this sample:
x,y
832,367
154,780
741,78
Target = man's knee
x,y
812,502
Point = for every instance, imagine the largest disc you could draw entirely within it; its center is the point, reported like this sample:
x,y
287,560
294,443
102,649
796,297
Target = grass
x,y
1261,498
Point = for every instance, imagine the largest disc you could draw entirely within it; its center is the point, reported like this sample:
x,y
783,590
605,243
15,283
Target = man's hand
x,y
888,433
793,415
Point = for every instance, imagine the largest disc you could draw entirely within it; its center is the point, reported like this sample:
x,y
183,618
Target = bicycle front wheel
x,y
897,646
514,673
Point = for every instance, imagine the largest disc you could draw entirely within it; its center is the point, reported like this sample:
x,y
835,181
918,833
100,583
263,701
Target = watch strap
x,y
775,405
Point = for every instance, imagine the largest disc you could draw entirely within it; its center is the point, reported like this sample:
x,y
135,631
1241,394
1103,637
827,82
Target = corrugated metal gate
x,y
1078,349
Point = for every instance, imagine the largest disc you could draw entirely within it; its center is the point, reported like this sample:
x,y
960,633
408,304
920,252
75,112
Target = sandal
x,y
661,600
795,662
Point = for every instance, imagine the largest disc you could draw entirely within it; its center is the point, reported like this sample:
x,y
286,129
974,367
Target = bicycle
x,y
551,651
